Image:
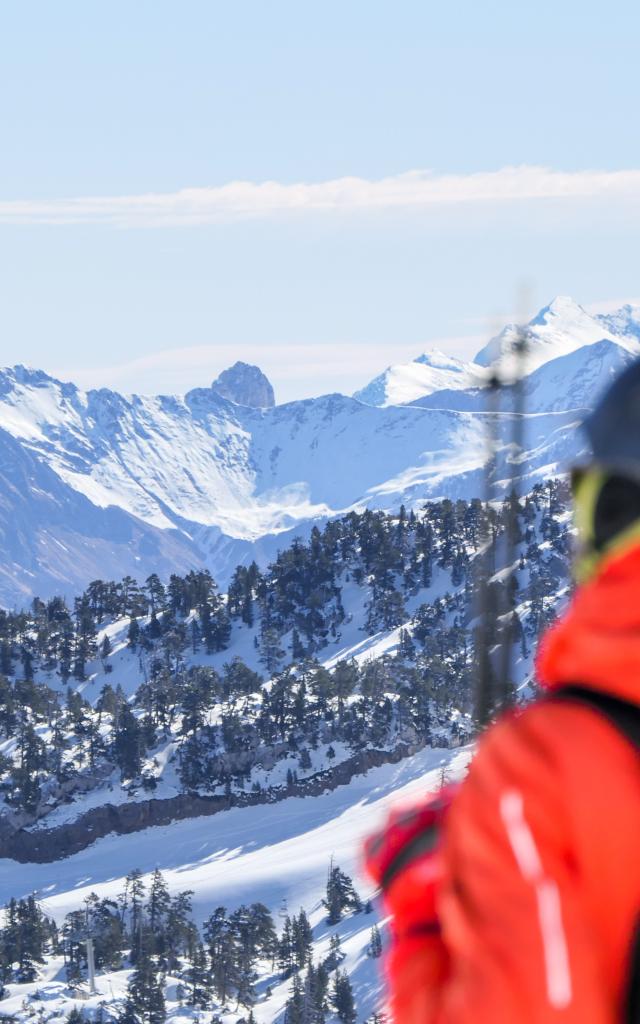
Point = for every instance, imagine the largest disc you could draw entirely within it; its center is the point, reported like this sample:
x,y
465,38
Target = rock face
x,y
45,845
245,385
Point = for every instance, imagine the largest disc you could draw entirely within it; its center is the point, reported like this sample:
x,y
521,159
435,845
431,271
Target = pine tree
x,y
107,932
156,594
32,759
342,998
375,943
316,993
105,651
181,931
146,990
294,1010
133,634
244,924
157,910
333,901
222,953
271,653
199,979
406,646
136,892
336,953
127,744
298,651
340,895
286,951
129,1014
302,937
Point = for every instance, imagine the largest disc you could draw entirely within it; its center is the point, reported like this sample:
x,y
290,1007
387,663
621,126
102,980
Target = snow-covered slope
x,y
252,843
355,623
196,479
623,322
558,329
575,380
571,381
277,855
406,382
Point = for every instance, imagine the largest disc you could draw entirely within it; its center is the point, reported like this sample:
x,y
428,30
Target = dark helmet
x,y
607,489
613,428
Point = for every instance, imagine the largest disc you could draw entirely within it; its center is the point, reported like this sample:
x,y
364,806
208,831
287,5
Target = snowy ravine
x,y
167,483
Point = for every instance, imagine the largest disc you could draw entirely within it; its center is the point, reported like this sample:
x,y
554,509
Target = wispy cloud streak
x,y
242,200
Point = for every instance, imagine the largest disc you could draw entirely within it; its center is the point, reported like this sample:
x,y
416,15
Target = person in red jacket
x,y
516,898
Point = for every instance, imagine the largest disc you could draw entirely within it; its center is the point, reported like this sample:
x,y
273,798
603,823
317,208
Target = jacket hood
x,y
597,641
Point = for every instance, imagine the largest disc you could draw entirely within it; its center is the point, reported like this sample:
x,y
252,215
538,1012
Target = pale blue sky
x,y
116,99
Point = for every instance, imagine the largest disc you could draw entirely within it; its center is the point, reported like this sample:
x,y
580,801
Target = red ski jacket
x,y
534,916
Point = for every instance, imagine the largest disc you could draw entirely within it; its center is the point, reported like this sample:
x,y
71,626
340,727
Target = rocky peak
x,y
245,385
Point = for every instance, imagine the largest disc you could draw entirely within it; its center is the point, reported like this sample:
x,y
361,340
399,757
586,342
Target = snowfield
x,y
277,854
269,853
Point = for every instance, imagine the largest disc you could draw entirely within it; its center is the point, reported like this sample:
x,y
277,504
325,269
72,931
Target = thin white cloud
x,y
240,200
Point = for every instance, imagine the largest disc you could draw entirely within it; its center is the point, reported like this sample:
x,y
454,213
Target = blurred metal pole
x,y
485,695
506,619
497,632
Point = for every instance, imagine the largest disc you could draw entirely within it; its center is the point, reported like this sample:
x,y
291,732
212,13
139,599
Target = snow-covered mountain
x,y
195,480
242,790
557,330
563,327
571,381
98,482
405,382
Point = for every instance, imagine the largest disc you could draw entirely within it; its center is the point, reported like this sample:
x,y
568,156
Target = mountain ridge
x,y
171,482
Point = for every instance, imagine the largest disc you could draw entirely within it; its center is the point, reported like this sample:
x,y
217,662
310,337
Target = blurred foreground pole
x,y
485,689
497,616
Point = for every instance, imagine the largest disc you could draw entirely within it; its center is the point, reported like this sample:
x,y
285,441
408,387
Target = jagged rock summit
x,y
245,385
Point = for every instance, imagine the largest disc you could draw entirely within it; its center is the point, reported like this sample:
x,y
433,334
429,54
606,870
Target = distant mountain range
x,y
96,484
559,329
